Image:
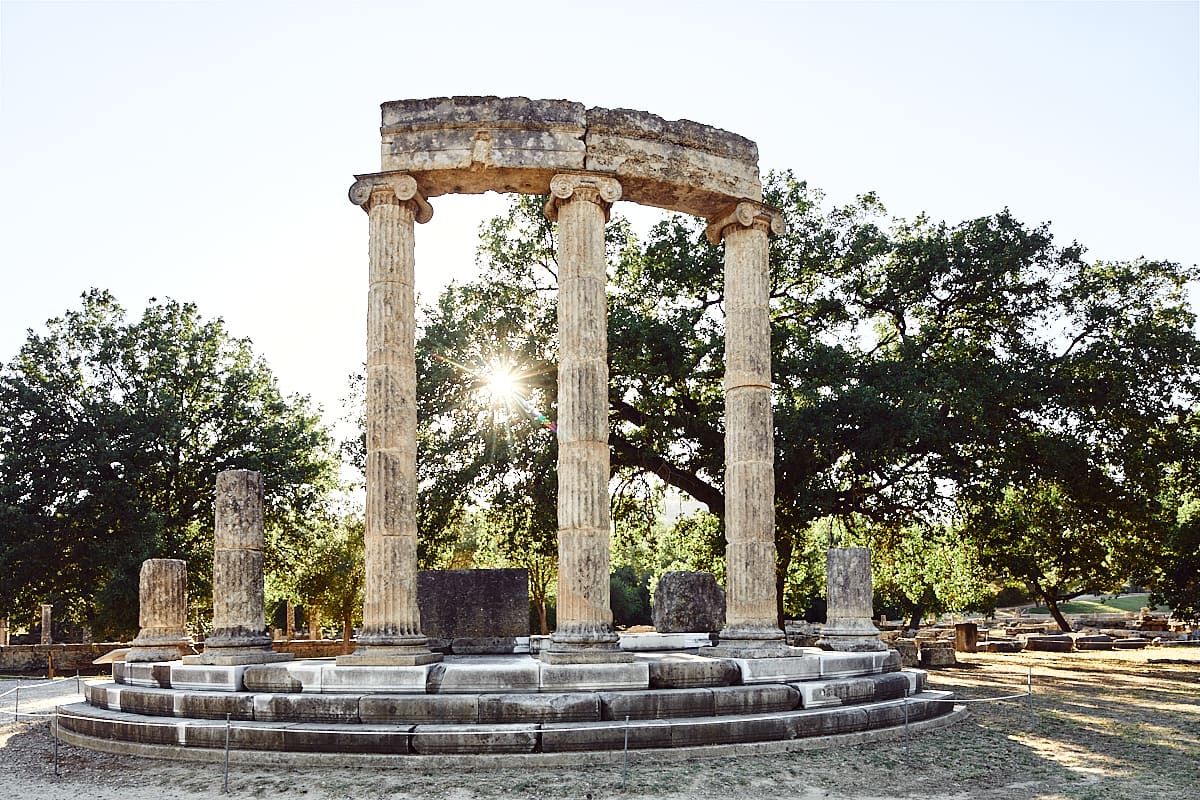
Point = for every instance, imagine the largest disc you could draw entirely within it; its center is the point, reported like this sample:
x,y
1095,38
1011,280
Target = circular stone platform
x,y
489,705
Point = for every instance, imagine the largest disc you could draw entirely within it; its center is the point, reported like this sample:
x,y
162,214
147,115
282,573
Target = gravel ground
x,y
1103,726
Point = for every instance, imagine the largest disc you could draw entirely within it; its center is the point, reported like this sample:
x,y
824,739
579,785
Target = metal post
x,y
906,721
225,790
1030,688
625,764
54,733
17,703
78,689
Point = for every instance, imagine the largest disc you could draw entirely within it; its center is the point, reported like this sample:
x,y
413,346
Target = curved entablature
x,y
470,145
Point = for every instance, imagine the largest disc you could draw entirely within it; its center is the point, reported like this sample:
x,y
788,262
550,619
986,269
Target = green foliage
x,y
328,574
925,374
111,440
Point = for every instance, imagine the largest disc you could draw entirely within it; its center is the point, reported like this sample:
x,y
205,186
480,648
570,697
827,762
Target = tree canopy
x,y
927,377
112,435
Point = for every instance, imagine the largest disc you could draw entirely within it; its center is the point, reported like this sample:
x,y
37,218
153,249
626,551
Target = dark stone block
x,y
657,704
692,673
429,739
309,738
148,701
571,737
419,708
217,705
573,707
761,699
825,722
306,708
475,604
728,730
688,602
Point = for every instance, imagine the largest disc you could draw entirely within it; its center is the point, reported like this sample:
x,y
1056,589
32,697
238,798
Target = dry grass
x,y
1103,726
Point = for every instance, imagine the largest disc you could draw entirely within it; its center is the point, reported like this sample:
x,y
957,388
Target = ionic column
x,y
239,633
848,594
751,627
580,205
391,633
162,611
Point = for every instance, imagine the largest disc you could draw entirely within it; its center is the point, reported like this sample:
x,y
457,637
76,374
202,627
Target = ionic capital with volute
x,y
599,189
371,190
747,214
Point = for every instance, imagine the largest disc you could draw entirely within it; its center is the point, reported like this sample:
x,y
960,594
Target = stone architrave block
x,y
479,611
688,602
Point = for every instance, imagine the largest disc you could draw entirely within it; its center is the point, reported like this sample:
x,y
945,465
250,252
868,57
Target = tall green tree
x,y
921,369
112,435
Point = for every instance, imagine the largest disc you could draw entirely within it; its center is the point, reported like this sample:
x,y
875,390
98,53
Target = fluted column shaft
x,y
239,634
584,631
848,590
391,632
162,611
750,594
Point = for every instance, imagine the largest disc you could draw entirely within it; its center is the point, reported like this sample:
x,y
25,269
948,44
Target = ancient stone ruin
x,y
588,689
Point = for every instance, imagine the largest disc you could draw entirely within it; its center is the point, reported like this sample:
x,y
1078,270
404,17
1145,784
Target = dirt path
x,y
1103,726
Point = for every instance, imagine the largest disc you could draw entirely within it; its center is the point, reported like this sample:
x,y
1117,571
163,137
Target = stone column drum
x,y
580,204
751,625
47,622
239,633
3,631
162,611
848,618
391,633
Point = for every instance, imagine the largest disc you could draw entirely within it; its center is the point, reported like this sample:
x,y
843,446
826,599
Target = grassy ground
x,y
1104,605
1103,726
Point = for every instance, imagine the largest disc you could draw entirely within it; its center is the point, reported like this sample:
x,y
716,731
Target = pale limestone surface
x,y
849,623
47,630
468,145
580,204
585,159
391,633
239,633
162,611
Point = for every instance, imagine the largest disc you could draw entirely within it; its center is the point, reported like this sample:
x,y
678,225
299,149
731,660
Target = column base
x,y
139,653
851,635
236,656
752,641
382,655
585,647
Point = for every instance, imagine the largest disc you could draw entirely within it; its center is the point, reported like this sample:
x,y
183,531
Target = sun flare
x,y
499,383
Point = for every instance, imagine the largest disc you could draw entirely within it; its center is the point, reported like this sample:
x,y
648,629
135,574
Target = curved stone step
x,y
97,725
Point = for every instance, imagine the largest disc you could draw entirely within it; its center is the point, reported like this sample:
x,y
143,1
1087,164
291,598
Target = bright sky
x,y
202,150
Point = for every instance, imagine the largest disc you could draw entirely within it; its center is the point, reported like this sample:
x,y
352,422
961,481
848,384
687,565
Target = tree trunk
x,y
916,614
1051,600
347,628
543,624
783,560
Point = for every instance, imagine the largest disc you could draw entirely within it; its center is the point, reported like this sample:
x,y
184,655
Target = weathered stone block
x,y
315,738
297,676
382,679
594,677
938,654
636,734
686,671
214,705
657,704
825,722
419,709
432,739
207,677
482,676
153,702
510,708
759,699
305,708
729,730
484,608
779,670
688,602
